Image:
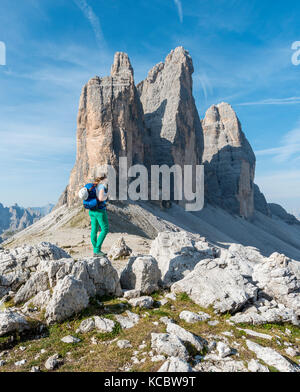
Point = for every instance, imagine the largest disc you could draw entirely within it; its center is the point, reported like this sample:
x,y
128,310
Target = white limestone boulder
x,y
217,284
141,273
177,254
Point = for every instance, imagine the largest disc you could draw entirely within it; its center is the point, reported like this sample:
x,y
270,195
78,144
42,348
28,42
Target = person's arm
x,y
101,196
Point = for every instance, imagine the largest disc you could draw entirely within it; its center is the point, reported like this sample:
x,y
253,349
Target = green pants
x,y
99,222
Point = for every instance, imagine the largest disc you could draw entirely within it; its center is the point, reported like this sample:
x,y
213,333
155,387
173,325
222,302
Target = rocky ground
x,y
183,305
132,348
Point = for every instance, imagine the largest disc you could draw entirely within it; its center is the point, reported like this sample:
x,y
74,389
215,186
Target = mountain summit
x,y
156,123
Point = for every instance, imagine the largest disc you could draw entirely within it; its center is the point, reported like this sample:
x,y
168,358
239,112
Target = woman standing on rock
x,y
94,196
99,219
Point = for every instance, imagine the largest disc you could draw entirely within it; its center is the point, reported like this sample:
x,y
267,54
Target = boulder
x,y
87,325
21,363
186,336
53,362
69,297
72,284
216,284
142,302
177,254
272,358
119,250
128,322
191,317
244,257
220,365
98,276
129,294
17,265
39,301
104,324
169,344
256,367
141,273
37,283
223,350
175,365
12,321
257,317
124,344
277,277
70,339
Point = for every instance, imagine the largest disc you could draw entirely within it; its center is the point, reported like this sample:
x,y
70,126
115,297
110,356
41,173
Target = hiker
x,y
95,199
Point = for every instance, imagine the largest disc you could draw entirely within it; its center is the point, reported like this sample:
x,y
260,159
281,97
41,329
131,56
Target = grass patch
x,y
80,220
183,297
159,312
273,369
110,335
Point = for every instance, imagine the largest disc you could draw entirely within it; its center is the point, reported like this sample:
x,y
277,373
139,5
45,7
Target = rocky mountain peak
x,y
157,123
223,118
109,126
180,56
170,112
229,161
121,66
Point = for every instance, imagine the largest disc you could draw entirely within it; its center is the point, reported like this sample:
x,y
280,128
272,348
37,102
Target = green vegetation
x,y
105,356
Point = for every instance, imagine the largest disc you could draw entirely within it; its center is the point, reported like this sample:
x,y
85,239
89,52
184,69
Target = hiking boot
x,y
101,254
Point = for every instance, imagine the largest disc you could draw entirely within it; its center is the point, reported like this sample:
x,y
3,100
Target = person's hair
x,y
102,177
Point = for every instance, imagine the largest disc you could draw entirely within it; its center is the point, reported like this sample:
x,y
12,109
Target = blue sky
x,y
241,52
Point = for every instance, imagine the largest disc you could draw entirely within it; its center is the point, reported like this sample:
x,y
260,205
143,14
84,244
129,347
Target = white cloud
x,y
93,19
273,101
290,147
179,8
205,84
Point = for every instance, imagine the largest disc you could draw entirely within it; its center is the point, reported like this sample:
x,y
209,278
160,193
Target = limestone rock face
x,y
170,112
260,202
109,125
229,162
157,123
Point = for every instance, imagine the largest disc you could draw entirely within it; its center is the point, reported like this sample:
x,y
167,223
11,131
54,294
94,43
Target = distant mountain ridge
x,y
16,218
